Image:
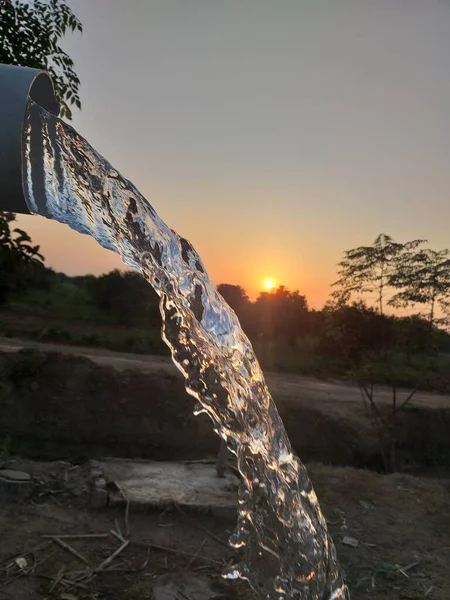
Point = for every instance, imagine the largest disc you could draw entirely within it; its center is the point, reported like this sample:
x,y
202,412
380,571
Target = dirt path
x,y
290,387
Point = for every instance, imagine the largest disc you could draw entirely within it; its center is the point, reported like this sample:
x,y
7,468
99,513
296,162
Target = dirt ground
x,y
74,408
290,387
58,406
401,523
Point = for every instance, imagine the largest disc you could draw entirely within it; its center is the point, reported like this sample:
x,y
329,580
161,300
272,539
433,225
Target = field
x,y
60,410
65,317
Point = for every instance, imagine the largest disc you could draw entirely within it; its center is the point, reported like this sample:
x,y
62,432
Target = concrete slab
x,y
192,485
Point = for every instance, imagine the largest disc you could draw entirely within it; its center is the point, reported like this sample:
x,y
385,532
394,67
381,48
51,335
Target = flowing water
x,y
281,533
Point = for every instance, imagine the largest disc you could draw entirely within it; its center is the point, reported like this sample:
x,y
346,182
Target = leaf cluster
x,y
30,35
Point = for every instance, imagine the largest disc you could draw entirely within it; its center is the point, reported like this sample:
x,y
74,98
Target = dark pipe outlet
x,y
17,84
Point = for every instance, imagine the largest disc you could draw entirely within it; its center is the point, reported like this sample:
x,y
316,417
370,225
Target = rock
x,y
13,475
34,386
99,493
15,486
349,541
21,563
146,483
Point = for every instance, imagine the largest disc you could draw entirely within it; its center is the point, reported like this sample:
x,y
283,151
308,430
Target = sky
x,y
272,135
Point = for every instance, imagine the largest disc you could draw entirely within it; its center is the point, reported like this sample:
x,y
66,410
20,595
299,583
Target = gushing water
x,y
281,532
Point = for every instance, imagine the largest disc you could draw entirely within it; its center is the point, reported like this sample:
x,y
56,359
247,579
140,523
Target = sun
x,y
269,284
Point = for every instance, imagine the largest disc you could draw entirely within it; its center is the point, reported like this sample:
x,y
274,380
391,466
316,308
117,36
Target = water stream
x,y
281,533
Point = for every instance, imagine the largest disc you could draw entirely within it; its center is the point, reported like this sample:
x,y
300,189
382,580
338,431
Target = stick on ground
x,y
69,548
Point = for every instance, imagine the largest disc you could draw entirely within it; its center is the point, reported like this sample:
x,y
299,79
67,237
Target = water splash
x,y
281,532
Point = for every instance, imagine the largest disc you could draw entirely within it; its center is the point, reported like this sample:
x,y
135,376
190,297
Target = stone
x,y
146,483
21,563
350,541
99,493
12,475
15,486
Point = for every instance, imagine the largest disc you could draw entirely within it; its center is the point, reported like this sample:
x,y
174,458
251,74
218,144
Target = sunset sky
x,y
272,134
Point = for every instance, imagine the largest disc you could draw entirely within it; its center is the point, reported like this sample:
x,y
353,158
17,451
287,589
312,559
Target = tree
x,y
358,333
423,279
17,256
369,269
399,275
30,33
281,314
127,297
29,36
235,296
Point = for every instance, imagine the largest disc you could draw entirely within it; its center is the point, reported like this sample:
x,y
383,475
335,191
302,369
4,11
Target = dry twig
x,y
174,551
77,536
69,548
106,562
195,555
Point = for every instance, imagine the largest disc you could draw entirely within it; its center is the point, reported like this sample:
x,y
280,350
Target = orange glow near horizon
x,y
75,254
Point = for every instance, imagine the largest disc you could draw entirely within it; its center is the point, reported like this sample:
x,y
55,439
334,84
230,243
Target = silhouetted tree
x,y
127,297
422,279
357,333
18,256
281,314
235,296
368,270
403,275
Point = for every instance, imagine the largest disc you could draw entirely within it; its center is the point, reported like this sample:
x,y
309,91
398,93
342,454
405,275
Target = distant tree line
x,y
354,333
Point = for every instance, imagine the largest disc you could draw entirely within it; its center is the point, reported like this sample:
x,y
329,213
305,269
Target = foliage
x,y
281,314
18,257
400,275
423,278
369,270
358,333
127,296
235,296
30,34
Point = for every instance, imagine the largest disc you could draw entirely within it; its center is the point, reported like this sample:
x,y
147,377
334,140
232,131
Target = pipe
x,y
17,84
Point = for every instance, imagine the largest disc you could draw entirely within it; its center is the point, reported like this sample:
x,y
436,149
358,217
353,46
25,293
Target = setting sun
x,y
269,284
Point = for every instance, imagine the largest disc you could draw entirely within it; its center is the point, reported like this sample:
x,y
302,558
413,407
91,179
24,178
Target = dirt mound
x,y
58,406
